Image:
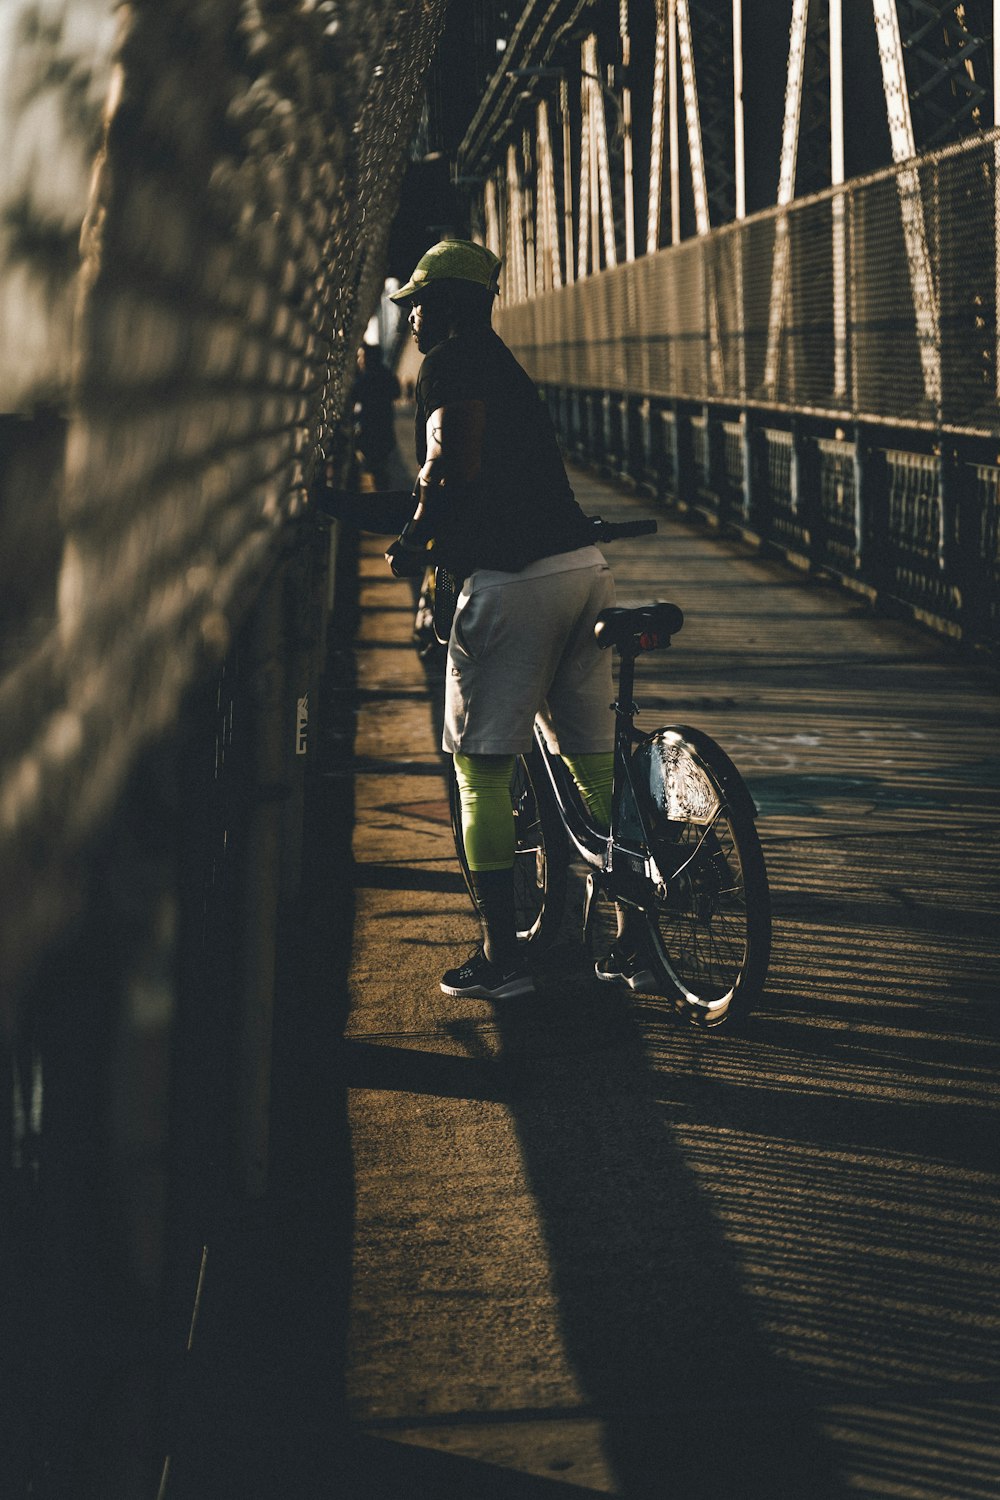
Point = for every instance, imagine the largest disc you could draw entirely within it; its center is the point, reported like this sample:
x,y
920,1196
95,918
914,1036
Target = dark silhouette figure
x,y
375,391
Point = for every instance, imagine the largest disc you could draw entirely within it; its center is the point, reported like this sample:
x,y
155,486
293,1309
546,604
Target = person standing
x,y
375,393
495,507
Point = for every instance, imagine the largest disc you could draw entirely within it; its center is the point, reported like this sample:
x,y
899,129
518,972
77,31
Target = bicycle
x,y
682,853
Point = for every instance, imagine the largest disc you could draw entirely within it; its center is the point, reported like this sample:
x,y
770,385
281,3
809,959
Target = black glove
x,y
382,513
335,505
406,558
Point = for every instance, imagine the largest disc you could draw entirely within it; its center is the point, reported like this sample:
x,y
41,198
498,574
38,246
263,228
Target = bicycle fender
x,y
714,762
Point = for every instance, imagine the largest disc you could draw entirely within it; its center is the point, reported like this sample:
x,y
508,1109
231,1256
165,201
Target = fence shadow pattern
x,y
769,1260
232,251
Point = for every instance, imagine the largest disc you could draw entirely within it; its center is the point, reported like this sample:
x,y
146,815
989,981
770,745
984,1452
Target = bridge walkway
x,y
573,1247
593,1246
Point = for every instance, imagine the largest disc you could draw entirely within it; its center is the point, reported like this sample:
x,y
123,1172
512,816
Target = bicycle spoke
x,y
703,921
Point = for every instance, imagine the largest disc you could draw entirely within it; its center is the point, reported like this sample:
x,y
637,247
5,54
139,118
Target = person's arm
x,y
454,453
381,512
453,463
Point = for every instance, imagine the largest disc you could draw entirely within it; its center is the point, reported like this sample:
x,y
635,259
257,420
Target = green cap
x,y
452,260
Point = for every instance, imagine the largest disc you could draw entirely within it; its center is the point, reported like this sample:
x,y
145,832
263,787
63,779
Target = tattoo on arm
x,y
454,442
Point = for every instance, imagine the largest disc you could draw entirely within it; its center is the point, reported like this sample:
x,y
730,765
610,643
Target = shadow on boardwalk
x,y
773,1258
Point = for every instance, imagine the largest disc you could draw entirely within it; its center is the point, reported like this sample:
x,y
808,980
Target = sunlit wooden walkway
x,y
594,1246
571,1247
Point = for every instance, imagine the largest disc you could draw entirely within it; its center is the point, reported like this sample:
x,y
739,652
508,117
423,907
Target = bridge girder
x,y
612,127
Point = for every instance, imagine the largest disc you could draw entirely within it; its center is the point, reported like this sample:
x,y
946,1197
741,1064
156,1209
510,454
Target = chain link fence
x,y
232,252
824,378
195,200
874,302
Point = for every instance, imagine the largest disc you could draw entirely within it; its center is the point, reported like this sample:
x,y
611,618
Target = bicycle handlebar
x,y
613,531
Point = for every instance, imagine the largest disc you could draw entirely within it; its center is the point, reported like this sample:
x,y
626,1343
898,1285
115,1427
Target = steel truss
x,y
946,46
551,149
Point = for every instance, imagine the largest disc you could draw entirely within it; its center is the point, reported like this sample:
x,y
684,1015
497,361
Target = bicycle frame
x,y
682,853
594,846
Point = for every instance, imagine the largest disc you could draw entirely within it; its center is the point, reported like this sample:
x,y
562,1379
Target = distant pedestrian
x,y
376,389
496,509
493,506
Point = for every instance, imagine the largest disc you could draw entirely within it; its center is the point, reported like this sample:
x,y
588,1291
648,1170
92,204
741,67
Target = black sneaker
x,y
479,979
625,968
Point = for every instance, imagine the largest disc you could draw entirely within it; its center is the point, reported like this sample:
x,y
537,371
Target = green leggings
x,y
487,815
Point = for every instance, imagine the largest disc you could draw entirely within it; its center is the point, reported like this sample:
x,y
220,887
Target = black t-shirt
x,y
523,507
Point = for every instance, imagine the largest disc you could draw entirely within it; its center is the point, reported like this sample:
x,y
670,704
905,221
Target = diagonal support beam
x,y
567,178
550,269
515,230
696,156
911,203
655,203
839,203
626,106
599,127
491,215
673,95
586,214
692,118
786,189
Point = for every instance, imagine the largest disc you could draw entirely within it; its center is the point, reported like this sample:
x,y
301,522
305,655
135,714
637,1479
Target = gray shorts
x,y
523,644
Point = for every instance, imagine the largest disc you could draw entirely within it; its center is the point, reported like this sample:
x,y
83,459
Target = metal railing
x,y
823,376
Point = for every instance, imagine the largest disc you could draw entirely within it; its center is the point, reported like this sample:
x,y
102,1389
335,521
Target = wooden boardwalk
x,y
594,1247
571,1247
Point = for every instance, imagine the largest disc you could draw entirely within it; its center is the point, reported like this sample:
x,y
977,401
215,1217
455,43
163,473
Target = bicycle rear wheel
x,y
541,852
710,927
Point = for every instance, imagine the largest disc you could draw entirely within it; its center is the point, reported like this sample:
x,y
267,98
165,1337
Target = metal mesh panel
x,y
734,456
785,522
891,300
916,541
837,505
875,301
233,250
701,455
669,475
987,543
967,246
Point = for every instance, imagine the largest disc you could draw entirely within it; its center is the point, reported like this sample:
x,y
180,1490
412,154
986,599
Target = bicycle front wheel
x,y
541,852
710,924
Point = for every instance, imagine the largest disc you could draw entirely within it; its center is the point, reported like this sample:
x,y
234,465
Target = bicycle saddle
x,y
640,629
